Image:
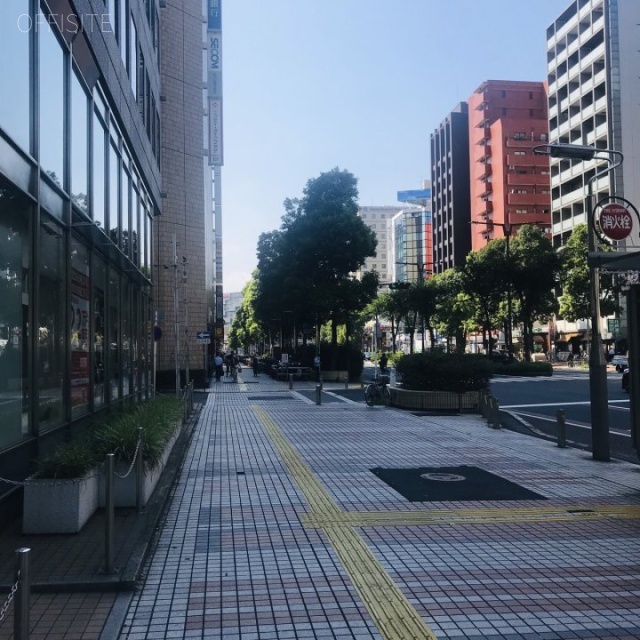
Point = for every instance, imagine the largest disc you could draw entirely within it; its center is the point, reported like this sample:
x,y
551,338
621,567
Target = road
x,y
536,401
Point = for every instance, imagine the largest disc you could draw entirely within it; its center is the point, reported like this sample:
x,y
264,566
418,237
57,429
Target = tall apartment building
x,y
593,65
451,208
509,185
377,218
80,189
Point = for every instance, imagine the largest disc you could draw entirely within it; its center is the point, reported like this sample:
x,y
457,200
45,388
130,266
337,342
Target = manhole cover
x,y
449,484
443,477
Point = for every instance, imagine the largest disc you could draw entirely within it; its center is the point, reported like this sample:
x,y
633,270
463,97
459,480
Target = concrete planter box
x,y
59,506
334,376
124,489
435,400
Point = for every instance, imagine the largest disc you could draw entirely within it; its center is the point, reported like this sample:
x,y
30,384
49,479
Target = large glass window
x,y
135,227
51,327
14,311
51,83
79,337
99,322
79,143
98,186
114,334
15,37
125,313
126,196
133,57
114,194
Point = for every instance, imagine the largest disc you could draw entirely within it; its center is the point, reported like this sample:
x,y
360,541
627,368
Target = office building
x,y
80,188
451,208
377,219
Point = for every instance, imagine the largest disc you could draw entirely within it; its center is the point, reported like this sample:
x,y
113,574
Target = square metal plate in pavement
x,y
445,484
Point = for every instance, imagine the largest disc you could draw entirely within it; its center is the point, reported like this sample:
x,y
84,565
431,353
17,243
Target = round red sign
x,y
615,221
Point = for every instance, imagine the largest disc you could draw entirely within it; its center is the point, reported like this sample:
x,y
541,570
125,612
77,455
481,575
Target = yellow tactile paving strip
x,y
469,516
392,613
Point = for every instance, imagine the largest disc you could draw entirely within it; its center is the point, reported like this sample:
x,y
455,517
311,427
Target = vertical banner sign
x,y
214,81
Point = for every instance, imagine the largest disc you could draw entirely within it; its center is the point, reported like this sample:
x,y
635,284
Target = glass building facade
x,y
79,187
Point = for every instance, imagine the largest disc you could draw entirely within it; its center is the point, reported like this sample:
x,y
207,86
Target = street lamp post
x,y
598,391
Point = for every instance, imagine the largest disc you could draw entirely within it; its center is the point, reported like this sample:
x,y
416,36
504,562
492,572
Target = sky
x,y
310,85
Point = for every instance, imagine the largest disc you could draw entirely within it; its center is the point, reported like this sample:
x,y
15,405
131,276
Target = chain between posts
x,y
133,461
5,606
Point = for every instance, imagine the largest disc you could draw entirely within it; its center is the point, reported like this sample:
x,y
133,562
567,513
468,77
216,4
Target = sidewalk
x,y
292,520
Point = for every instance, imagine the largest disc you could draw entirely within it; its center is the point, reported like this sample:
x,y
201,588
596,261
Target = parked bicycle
x,y
377,392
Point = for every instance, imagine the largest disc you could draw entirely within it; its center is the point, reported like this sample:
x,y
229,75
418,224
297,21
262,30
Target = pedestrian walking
x,y
218,363
254,364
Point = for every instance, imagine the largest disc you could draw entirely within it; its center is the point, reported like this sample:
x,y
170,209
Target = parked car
x,y
625,380
620,363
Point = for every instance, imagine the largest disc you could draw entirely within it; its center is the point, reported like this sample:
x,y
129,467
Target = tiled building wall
x,y
183,184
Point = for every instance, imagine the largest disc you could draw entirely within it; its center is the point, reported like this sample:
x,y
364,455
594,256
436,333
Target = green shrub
x,y
160,418
438,371
69,460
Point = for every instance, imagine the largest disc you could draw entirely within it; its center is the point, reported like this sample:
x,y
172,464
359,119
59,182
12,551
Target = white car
x,y
620,363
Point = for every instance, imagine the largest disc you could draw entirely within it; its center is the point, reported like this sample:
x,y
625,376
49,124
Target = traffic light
x,y
394,286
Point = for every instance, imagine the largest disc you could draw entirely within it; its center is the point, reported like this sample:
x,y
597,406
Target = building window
x,y
519,153
51,84
52,325
79,144
15,45
15,212
98,183
80,321
520,135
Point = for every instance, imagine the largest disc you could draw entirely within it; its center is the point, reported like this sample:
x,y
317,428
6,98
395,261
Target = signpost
x,y
203,337
615,221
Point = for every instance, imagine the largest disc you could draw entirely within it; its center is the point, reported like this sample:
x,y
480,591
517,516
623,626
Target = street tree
x,y
485,279
306,266
454,312
533,268
574,280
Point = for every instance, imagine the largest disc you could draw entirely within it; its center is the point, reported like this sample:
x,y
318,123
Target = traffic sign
x,y
615,221
203,337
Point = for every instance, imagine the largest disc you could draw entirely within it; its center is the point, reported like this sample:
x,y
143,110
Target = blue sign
x,y
415,194
214,15
204,335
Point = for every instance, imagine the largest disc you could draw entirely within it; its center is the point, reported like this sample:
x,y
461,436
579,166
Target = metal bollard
x,y
318,394
22,596
291,381
495,413
140,471
346,381
108,519
562,428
